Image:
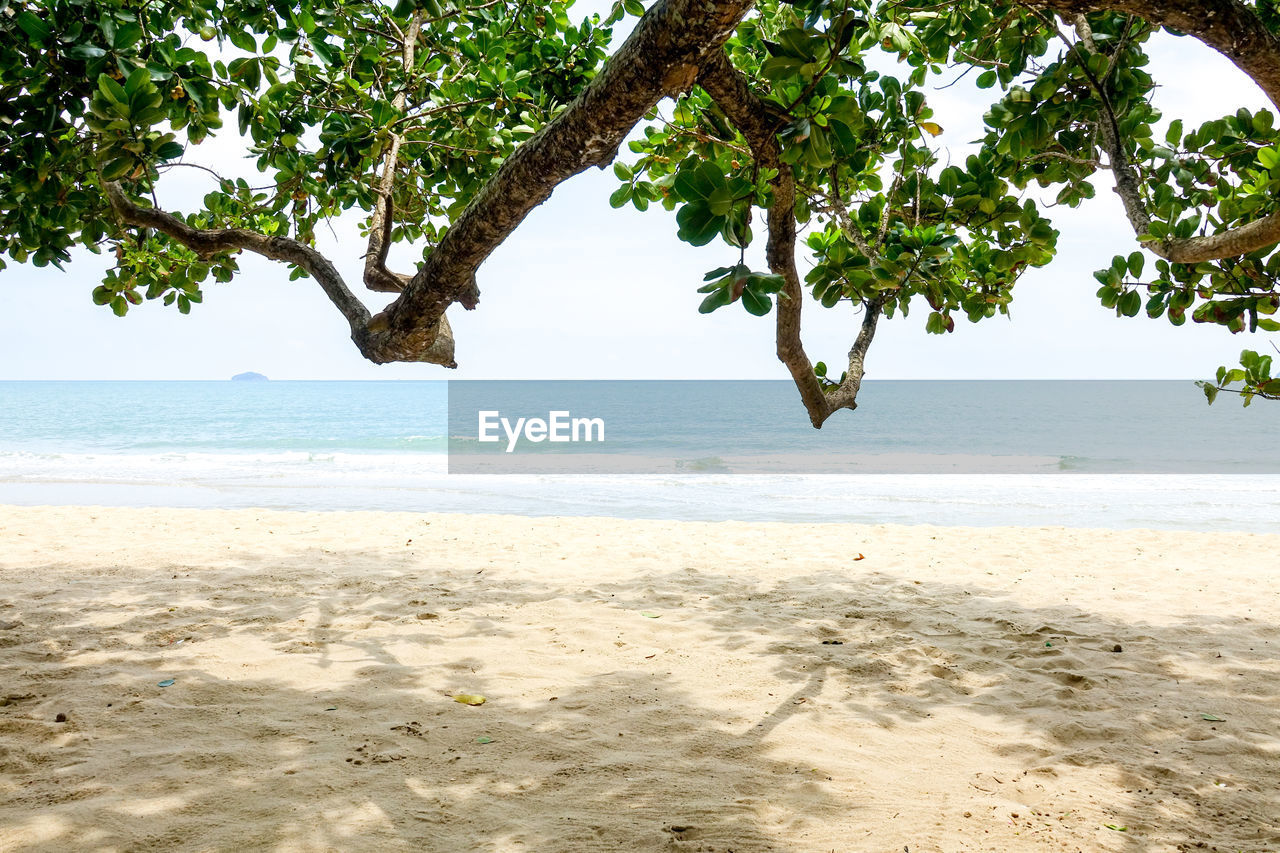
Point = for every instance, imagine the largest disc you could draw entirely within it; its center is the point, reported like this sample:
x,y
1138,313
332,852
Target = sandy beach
x,y
216,680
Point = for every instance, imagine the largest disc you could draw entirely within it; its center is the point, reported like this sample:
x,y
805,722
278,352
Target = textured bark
x,y
845,396
728,87
674,44
1228,244
660,58
1232,29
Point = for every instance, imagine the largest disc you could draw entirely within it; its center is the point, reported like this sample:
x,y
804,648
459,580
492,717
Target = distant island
x,y
249,377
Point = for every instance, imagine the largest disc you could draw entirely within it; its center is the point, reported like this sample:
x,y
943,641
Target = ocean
x,y
1078,454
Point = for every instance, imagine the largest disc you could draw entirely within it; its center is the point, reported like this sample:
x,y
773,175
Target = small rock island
x,y
249,377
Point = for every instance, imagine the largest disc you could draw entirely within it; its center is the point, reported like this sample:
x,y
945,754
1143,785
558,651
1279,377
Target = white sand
x,y
973,702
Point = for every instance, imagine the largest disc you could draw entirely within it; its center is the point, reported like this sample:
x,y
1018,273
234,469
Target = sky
x,y
582,291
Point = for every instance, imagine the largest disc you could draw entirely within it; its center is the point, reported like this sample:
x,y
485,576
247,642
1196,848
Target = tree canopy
x,y
804,124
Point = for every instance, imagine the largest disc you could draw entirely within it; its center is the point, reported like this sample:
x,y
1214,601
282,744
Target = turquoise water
x,y
1133,454
222,417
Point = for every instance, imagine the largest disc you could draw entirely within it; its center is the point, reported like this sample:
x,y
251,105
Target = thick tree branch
x,y
206,242
1232,29
211,241
660,58
728,87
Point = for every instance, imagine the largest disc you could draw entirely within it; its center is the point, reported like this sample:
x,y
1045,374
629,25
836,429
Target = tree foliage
x,y
805,124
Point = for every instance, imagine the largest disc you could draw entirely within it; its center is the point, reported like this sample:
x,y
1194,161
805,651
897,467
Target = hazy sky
x,y
585,291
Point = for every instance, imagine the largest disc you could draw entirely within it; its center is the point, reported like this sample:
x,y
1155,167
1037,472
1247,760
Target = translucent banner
x,y
908,427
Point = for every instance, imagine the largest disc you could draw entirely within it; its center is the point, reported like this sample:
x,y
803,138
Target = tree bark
x,y
661,57
728,87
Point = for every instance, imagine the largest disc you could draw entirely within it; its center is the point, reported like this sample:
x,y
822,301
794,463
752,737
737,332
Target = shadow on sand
x,y
254,746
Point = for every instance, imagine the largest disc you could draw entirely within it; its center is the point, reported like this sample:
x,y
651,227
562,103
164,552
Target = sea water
x,y
1089,454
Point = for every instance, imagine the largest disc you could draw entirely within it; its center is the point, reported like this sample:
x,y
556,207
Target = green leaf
x,y
756,303
1135,264
819,153
765,282
718,298
127,35
34,26
118,168
139,81
111,90
620,196
699,183
328,54
776,68
242,40
86,51
698,225
1130,304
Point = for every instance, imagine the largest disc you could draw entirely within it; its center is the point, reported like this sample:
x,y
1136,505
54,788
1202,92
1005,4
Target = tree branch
x,y
846,393
212,241
659,58
729,89
1230,28
376,275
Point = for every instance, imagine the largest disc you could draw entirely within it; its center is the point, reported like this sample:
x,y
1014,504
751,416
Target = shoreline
x,y
650,684
1206,503
818,526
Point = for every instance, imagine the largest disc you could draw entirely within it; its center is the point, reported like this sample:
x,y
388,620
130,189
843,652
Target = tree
x,y
445,123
